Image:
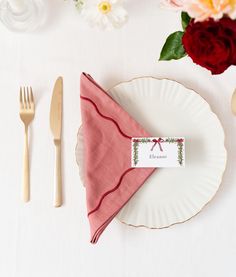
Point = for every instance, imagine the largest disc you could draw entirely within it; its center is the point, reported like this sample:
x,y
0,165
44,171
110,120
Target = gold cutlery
x,y
56,128
27,111
233,103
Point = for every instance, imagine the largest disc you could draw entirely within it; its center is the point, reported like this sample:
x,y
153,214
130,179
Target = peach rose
x,y
203,9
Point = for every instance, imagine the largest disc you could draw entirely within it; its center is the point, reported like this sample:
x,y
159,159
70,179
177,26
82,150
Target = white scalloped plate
x,y
166,108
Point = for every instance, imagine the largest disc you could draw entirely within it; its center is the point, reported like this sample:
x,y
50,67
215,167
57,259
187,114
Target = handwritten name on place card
x,y
158,152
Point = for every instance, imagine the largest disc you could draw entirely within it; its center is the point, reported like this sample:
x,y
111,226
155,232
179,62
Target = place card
x,y
158,152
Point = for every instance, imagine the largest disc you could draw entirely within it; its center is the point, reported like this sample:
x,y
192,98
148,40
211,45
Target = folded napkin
x,y
109,179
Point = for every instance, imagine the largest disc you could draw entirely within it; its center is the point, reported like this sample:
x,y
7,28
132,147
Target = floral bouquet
x,y
208,35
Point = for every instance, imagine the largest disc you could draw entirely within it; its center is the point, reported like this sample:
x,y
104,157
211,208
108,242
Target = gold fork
x,y
27,111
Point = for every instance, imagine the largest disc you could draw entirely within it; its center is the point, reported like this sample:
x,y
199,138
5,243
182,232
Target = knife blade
x,y
56,109
56,128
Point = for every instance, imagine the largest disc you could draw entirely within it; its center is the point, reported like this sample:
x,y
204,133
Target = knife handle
x,y
58,176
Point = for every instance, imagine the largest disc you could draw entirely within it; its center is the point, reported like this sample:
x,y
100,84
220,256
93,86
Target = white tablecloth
x,y
37,240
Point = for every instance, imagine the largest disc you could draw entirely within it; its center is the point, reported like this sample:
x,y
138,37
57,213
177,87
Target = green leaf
x,y
173,48
185,20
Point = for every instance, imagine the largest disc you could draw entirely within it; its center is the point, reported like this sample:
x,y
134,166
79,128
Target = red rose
x,y
211,44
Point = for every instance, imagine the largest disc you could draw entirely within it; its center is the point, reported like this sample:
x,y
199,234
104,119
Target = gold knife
x,y
233,103
56,128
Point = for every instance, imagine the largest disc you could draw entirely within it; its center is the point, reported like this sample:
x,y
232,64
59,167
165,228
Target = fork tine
x,y
28,98
31,96
24,98
21,99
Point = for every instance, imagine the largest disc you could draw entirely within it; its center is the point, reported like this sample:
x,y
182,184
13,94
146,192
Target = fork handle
x,y
58,176
26,178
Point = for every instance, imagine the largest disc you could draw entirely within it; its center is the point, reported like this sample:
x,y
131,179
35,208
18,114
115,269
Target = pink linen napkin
x,y
109,179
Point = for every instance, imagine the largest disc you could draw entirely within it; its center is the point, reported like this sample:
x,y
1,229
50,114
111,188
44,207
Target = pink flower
x,y
203,9
173,4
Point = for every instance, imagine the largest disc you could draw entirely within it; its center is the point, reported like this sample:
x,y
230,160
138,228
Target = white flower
x,y
105,14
